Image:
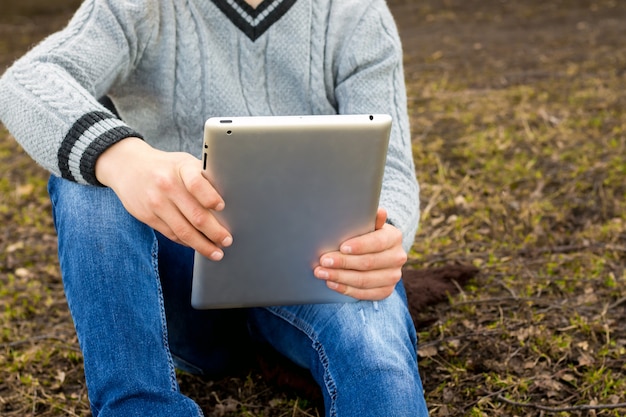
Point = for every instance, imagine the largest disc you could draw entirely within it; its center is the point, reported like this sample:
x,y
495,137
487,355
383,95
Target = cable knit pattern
x,y
188,80
90,135
53,88
170,64
319,21
252,75
79,20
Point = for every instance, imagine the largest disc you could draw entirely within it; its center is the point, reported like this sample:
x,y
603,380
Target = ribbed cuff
x,y
86,140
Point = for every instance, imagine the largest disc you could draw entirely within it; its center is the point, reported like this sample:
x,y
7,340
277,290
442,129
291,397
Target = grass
x,y
525,180
517,113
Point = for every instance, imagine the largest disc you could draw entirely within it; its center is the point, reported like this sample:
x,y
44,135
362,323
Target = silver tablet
x,y
295,187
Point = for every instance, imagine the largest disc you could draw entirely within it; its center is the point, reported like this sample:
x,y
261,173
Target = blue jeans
x,y
128,289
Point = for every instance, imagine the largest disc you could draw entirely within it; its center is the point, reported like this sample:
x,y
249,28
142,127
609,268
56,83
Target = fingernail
x,y
220,207
228,240
346,249
332,285
322,274
217,255
328,262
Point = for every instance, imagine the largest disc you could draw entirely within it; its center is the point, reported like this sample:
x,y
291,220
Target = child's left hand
x,y
366,267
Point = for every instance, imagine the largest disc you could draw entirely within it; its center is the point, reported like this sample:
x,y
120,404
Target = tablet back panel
x,y
295,187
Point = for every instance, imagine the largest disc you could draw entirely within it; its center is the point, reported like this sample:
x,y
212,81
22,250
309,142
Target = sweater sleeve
x,y
370,79
48,98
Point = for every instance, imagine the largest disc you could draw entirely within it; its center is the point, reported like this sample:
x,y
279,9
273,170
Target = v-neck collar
x,y
254,22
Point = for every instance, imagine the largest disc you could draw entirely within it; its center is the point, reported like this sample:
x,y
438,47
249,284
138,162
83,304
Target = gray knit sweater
x,y
168,65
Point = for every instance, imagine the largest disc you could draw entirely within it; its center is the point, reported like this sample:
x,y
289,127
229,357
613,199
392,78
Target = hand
x,y
366,267
166,191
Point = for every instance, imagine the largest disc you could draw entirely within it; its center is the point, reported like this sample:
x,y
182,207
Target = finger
x,y
210,251
358,279
372,294
381,218
179,230
367,262
188,211
200,187
376,294
204,221
372,285
379,240
366,243
166,215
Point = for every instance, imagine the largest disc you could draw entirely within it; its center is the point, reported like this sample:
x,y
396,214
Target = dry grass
x,y
520,143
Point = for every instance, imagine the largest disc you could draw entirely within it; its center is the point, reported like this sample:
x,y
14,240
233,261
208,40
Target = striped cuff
x,y
86,140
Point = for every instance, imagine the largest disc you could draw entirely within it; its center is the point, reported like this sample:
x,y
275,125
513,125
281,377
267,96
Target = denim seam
x,y
170,361
319,348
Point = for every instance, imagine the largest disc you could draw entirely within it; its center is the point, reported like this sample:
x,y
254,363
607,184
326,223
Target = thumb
x,y
381,217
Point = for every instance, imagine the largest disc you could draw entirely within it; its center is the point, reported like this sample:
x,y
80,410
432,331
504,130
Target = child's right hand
x,y
166,191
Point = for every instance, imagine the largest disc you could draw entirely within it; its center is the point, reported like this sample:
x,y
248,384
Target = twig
x,y
583,407
616,303
506,287
34,400
524,252
616,248
460,336
535,300
559,249
462,293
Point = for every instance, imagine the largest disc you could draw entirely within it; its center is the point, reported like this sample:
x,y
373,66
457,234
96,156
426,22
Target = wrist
x,y
110,163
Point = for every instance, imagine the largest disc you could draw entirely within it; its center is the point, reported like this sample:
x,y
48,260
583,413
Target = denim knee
x,y
363,354
87,212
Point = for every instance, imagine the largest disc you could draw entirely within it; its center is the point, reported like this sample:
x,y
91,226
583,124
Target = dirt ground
x,y
519,132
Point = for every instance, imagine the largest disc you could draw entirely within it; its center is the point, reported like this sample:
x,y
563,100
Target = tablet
x,y
295,187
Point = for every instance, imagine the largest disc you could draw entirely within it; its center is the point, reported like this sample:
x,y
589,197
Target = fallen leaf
x,y
15,246
586,360
22,273
60,376
427,352
24,190
584,345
